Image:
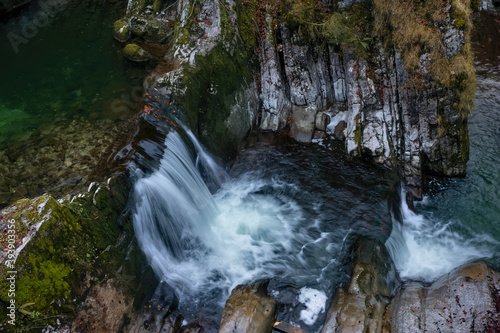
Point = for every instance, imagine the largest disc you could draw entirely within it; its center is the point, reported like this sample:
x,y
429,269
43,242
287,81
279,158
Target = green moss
x,y
246,21
121,30
157,5
135,53
182,33
137,7
131,49
459,18
303,14
211,89
77,239
358,132
351,29
475,4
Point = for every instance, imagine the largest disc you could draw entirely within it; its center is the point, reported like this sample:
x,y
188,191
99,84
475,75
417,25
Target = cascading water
x,y
284,213
200,242
458,220
424,248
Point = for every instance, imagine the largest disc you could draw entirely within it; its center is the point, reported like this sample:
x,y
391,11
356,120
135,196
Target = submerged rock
x,y
249,309
65,153
136,53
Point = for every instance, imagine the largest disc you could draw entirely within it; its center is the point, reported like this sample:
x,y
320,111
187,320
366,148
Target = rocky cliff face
x,y
385,112
386,117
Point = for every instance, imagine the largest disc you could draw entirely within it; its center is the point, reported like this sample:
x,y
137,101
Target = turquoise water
x,y
459,219
68,67
474,202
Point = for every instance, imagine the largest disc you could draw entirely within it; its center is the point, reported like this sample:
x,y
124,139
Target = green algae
x,y
246,22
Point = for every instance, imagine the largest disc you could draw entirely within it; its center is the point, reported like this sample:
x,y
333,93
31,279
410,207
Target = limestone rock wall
x,y
297,86
387,119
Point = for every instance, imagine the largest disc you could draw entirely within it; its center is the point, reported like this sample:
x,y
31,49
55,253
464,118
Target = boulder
x,y
362,306
136,53
249,309
465,300
303,123
322,121
151,30
121,31
103,310
340,130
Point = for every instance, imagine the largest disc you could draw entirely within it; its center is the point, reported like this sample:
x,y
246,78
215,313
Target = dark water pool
x,y
65,90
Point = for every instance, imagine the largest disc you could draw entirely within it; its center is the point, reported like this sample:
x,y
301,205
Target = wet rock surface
x,y
249,309
465,300
362,306
104,310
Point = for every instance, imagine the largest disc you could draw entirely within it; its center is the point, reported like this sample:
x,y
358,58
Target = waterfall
x,y
424,248
204,233
173,209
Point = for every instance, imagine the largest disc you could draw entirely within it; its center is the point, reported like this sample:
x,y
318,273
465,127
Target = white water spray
x,y
424,248
204,243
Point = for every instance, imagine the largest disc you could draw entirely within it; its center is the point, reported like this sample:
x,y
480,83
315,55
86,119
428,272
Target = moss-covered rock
x,y
212,87
151,30
157,5
73,246
121,30
136,7
136,53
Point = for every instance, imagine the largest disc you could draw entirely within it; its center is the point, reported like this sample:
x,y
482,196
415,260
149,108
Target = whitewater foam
x,y
199,242
424,248
315,302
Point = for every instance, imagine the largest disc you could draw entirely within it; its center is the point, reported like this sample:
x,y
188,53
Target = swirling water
x,y
285,212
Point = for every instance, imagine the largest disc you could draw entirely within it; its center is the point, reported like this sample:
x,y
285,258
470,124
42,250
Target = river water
x,y
289,211
65,92
285,211
52,59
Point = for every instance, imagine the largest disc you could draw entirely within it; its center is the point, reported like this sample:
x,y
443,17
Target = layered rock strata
x,y
308,91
